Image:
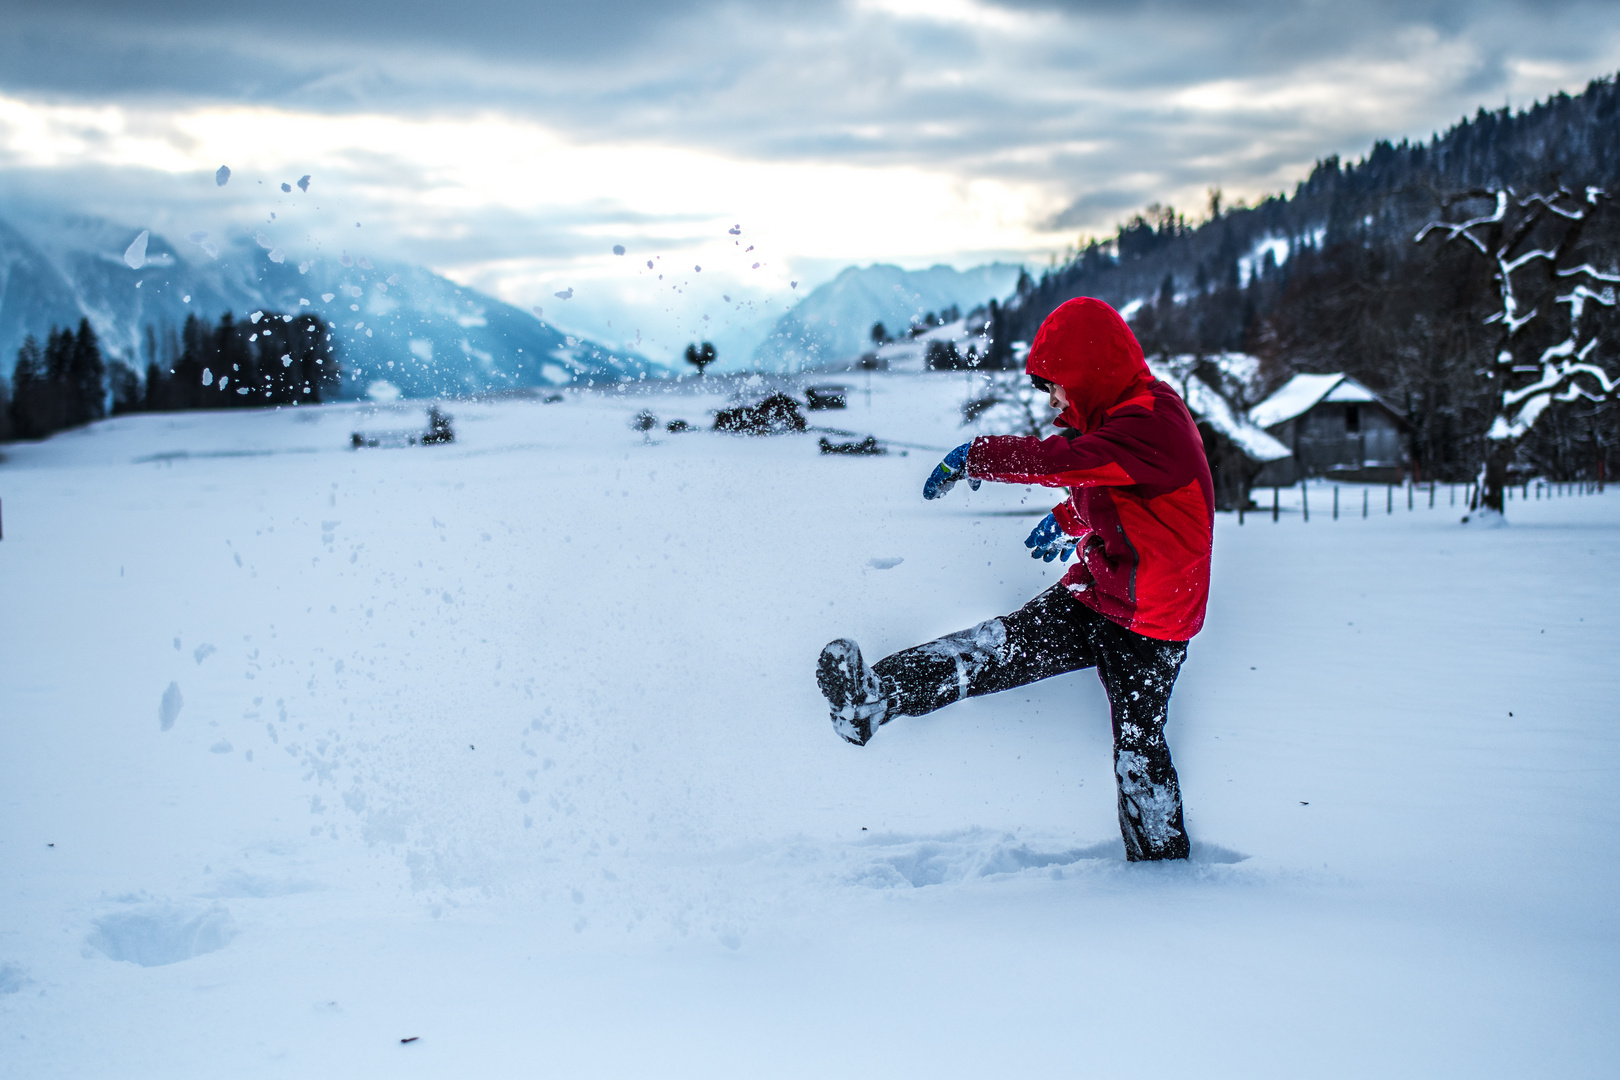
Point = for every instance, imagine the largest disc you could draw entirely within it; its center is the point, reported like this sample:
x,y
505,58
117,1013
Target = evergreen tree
x,y
125,385
30,384
157,388
85,388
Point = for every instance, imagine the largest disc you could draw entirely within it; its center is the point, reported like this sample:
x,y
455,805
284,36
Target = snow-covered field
x,y
514,747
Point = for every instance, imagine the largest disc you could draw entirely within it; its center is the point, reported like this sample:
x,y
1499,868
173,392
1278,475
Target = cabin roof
x,y
1304,392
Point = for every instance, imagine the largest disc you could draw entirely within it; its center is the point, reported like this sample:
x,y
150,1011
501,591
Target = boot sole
x,y
837,675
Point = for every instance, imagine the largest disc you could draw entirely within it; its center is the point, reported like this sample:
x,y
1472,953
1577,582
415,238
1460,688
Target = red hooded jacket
x,y
1141,499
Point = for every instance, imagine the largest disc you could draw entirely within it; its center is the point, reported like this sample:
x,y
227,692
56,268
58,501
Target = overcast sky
x,y
511,143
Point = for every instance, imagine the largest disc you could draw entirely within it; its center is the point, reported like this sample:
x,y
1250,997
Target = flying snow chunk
x,y
169,708
365,263
210,248
345,260
566,294
255,317
286,187
263,240
755,266
887,563
618,249
793,284
303,182
303,268
572,341
208,376
327,297
735,230
135,254
393,279
649,264
277,255
223,176
197,237
539,312
698,269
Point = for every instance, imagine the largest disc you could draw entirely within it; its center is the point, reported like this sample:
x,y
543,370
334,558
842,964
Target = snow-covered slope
x,y
834,322
513,747
393,321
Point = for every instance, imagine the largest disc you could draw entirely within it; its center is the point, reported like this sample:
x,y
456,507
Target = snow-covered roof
x,y
1350,390
1302,392
1208,406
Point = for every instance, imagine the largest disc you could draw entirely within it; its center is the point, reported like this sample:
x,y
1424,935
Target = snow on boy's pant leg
x,y
1050,635
1139,673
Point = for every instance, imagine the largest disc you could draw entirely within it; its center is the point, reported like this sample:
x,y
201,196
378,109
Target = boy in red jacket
x,y
1139,518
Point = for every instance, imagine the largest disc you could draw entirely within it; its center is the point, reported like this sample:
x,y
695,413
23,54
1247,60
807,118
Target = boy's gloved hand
x,y
948,472
1049,541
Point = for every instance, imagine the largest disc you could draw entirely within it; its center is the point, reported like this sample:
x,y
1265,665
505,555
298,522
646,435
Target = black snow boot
x,y
854,693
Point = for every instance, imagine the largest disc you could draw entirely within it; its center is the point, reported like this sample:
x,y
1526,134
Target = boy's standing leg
x,y
1051,635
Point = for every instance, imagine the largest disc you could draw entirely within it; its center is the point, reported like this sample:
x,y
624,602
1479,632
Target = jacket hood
x,y
1086,348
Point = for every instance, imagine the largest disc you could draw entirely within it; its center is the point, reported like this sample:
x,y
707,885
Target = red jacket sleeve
x,y
1128,449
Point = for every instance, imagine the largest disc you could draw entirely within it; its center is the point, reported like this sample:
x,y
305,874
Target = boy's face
x,y
1058,398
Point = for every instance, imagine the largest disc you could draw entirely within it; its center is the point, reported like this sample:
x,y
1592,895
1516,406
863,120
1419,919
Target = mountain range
x,y
834,322
392,322
395,322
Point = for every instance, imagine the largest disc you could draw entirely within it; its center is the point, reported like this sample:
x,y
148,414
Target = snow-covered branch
x,y
1586,268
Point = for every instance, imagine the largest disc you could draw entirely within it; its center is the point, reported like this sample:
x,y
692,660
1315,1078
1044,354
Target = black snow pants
x,y
1051,635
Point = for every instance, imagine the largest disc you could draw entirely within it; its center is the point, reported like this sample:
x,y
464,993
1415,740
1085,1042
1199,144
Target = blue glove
x,y
1049,541
948,472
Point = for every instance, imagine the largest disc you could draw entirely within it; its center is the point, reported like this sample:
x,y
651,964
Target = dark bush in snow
x,y
772,416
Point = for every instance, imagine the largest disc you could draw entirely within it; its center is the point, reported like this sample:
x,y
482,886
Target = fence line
x,y
1525,491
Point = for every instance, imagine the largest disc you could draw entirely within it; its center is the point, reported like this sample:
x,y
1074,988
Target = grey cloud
x,y
1078,105
1088,207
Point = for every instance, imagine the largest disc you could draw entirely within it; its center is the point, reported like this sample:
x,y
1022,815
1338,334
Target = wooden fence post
x,y
1335,502
1389,502
1364,504
1305,501
1274,504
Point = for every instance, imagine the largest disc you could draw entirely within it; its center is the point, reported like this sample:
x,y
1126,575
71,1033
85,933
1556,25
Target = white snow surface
x,y
513,746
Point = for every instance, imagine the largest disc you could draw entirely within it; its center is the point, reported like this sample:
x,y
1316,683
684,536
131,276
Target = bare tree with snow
x,y
1551,348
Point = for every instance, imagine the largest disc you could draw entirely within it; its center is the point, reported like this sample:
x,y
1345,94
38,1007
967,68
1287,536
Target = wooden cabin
x,y
1336,428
